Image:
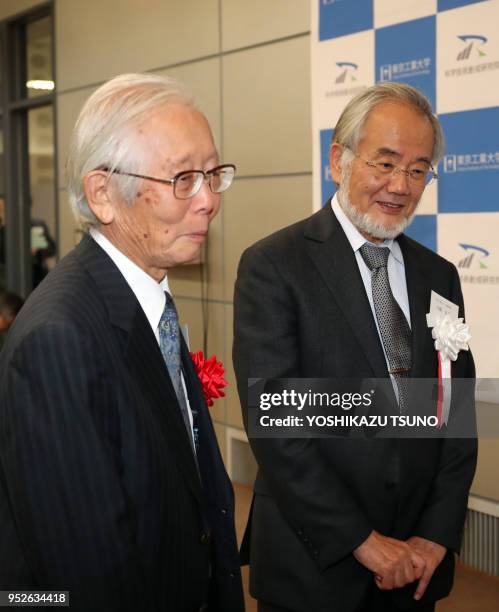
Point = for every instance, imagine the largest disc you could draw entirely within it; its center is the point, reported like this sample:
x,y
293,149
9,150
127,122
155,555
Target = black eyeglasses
x,y
186,184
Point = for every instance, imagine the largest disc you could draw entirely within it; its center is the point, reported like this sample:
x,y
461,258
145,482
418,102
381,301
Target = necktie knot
x,y
375,257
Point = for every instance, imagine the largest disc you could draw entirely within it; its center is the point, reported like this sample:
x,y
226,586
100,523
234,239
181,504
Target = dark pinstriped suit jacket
x,y
99,491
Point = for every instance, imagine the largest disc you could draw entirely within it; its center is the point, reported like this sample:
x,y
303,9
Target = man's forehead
x,y
391,125
177,136
187,161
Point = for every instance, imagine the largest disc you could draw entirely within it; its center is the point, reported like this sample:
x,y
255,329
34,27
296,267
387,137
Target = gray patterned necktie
x,y
393,326
169,343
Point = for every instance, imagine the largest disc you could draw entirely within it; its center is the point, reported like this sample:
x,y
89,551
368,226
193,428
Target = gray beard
x,y
363,221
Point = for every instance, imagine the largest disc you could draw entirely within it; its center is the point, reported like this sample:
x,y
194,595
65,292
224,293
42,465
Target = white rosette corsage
x,y
451,336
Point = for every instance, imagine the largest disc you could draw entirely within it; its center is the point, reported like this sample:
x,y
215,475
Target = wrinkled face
x,y
400,135
160,231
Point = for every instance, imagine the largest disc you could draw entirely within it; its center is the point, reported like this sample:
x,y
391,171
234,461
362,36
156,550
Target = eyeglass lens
x,y
418,175
188,184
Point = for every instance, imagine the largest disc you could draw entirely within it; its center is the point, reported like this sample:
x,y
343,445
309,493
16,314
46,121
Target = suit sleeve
x,y
445,510
62,473
313,500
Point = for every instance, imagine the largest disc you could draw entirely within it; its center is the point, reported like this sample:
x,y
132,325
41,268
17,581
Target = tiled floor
x,y
473,591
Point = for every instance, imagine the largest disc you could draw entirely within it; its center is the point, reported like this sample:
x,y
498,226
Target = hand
x,y
393,562
432,553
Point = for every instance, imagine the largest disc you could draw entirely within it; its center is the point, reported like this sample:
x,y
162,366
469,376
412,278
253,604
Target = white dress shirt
x,y
149,293
395,266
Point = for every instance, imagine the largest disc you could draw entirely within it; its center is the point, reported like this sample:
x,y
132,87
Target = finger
x,y
409,573
418,563
423,583
398,577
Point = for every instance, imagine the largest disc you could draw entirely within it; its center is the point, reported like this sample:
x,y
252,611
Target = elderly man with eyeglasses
x,y
112,486
354,524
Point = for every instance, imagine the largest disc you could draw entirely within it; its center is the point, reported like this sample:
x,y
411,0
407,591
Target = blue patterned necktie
x,y
394,329
169,343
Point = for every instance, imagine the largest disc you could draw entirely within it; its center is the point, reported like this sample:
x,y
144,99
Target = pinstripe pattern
x,y
99,492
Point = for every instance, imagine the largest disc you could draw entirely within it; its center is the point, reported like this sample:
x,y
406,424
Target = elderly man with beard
x,y
364,524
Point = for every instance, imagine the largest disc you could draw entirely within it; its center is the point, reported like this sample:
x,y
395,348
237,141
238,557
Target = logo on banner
x,y
471,161
474,256
469,173
347,70
406,52
405,70
473,265
476,41
347,75
473,49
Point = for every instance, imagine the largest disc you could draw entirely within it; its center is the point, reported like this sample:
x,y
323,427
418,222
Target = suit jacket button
x,y
205,538
232,575
223,511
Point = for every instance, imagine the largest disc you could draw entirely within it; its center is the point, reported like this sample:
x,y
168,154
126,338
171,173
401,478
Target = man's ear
x,y
335,153
100,195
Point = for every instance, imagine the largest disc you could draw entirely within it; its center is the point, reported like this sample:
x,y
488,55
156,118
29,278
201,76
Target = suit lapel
x,y
424,358
332,254
194,390
211,466
146,362
142,354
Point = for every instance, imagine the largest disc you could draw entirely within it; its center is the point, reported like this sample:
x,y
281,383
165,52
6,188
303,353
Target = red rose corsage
x,y
211,375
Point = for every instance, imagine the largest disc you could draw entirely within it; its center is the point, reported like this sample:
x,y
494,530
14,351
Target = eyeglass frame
x,y
396,169
173,181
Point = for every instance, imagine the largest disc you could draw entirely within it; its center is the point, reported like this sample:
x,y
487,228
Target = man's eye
x,y
417,172
186,178
385,166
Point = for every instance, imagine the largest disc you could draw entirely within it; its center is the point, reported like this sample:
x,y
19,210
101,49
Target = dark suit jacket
x,y
301,310
99,490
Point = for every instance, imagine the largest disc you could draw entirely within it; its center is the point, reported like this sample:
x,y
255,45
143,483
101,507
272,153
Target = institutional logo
x,y
348,70
473,50
346,81
474,268
475,256
405,70
466,162
472,41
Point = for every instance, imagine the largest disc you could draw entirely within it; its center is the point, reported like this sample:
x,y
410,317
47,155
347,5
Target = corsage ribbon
x,y
451,336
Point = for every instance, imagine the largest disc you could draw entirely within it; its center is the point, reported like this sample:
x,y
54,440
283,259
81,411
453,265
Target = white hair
x,y
104,136
348,130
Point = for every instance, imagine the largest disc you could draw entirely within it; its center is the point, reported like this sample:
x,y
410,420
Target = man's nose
x,y
205,200
399,181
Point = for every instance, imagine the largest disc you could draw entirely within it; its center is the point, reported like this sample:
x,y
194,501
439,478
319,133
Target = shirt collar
x,y
149,293
355,238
